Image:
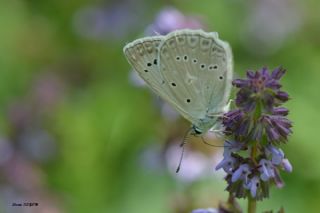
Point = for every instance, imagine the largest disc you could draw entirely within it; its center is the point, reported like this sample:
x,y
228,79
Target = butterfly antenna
x,y
184,141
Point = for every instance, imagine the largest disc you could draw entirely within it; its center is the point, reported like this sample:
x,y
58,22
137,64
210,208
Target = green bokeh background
x,y
102,122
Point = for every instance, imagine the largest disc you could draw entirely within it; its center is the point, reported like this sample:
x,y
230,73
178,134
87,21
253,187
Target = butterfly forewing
x,y
142,54
197,68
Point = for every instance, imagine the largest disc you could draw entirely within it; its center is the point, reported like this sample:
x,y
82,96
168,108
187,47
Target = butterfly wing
x,y
197,68
142,54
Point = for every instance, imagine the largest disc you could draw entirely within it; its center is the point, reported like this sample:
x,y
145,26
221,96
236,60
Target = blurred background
x,y
79,131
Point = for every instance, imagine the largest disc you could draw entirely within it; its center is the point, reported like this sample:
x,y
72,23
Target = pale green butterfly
x,y
190,69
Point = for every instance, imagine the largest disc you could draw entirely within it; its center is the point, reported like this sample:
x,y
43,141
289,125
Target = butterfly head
x,y
195,131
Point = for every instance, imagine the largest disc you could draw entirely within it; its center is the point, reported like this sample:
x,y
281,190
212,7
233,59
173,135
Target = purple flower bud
x,y
277,127
273,84
272,134
231,120
250,74
265,73
240,83
280,111
282,125
241,173
282,96
243,128
232,117
286,165
278,73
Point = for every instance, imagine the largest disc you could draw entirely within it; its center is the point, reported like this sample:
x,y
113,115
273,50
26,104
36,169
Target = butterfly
x,y
190,69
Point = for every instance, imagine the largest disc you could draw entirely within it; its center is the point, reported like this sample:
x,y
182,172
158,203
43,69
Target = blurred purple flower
x,y
210,210
170,19
38,145
48,90
113,21
6,151
195,164
167,20
270,23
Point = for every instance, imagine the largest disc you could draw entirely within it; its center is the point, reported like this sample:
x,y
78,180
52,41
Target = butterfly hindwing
x,y
142,54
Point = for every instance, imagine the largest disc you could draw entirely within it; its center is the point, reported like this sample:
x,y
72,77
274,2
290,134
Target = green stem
x,y
252,205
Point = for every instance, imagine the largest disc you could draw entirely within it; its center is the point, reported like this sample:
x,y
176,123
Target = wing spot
x,y
180,39
149,64
155,62
188,100
202,66
220,77
185,58
173,84
171,43
205,42
146,71
178,58
195,60
211,67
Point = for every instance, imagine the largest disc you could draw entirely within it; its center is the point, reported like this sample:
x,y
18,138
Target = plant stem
x,y
252,205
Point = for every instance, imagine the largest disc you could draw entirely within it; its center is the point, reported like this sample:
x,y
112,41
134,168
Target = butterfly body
x,y
190,69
